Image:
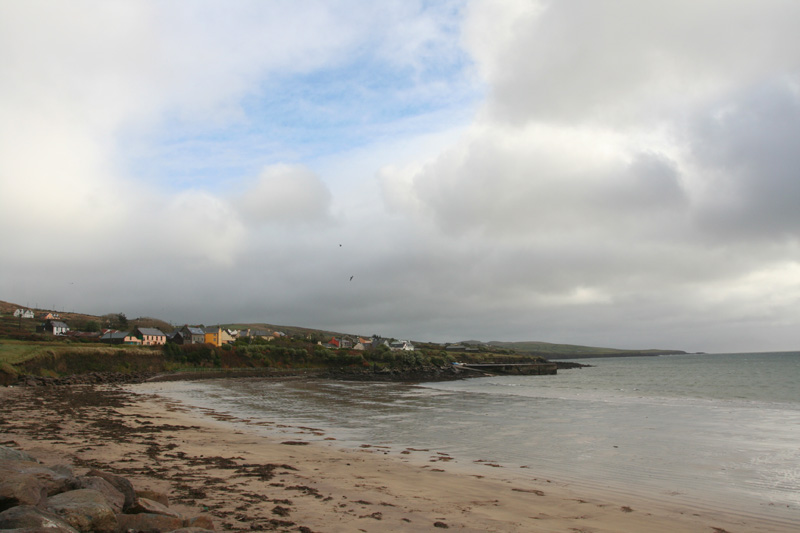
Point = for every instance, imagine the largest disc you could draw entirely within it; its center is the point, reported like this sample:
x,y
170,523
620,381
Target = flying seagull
x,y
351,278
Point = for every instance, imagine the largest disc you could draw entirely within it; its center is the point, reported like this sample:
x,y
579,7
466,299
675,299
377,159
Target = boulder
x,y
27,517
54,482
21,490
147,522
121,484
114,497
28,483
202,522
159,497
64,470
84,509
143,505
11,454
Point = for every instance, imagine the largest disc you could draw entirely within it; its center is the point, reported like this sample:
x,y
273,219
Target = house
x,y
56,327
119,337
401,346
213,335
50,316
149,336
23,313
334,342
266,335
192,335
362,344
227,336
455,348
377,342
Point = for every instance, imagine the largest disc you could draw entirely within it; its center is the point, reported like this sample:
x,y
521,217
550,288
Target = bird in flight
x,y
351,278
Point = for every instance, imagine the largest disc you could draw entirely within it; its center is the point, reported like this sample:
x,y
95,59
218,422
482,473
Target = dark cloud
x,y
746,149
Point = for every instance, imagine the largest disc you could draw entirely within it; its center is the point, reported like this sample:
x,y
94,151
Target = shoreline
x,y
212,462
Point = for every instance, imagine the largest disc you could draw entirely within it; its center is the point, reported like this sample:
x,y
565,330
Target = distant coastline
x,y
617,354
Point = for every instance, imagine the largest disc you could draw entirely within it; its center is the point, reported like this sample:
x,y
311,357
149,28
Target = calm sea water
x,y
721,431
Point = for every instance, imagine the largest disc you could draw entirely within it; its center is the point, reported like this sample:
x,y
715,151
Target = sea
x,y
700,431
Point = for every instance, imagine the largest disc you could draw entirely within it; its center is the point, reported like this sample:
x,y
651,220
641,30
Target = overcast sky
x,y
611,173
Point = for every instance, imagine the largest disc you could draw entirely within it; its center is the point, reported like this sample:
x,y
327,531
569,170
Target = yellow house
x,y
213,335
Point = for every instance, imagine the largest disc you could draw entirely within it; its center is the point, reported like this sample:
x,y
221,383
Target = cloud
x,y
525,181
286,194
630,161
618,61
745,151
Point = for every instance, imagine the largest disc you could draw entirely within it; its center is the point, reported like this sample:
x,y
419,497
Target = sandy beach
x,y
208,462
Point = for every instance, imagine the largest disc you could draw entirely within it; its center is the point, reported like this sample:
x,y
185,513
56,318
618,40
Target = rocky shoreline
x,y
418,374
35,497
369,374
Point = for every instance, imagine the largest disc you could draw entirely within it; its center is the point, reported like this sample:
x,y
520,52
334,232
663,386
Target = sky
x,y
610,173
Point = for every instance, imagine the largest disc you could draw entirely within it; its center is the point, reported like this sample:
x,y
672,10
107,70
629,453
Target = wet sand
x,y
208,462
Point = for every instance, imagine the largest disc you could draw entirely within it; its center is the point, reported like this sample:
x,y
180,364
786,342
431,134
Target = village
x,y
214,335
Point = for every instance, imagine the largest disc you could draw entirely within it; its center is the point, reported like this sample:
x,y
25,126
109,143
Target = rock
x,y
11,454
64,470
202,522
84,509
159,497
21,490
192,530
31,518
147,522
114,497
27,483
143,505
119,483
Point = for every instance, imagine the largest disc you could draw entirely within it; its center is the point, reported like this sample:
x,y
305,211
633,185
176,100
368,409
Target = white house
x,y
24,313
56,327
401,345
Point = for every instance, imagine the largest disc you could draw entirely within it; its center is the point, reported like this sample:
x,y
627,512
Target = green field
x,y
13,351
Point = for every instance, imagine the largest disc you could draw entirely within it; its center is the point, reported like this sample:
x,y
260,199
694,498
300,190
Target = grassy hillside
x,y
563,350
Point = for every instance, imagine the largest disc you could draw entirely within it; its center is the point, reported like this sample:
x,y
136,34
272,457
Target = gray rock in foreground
x,y
11,454
84,509
36,498
28,517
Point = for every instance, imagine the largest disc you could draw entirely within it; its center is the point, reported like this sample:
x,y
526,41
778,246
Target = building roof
x,y
114,335
151,331
57,324
194,331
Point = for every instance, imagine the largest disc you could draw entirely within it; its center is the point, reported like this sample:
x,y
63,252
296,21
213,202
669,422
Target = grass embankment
x,y
60,358
16,351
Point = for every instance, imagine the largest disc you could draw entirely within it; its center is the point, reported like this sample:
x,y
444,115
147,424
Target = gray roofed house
x,y
192,335
56,327
401,345
119,337
149,336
